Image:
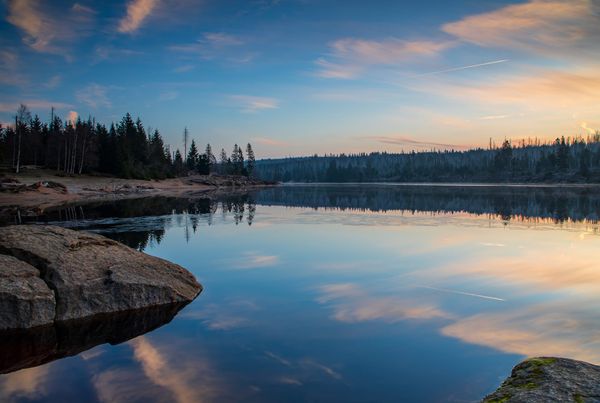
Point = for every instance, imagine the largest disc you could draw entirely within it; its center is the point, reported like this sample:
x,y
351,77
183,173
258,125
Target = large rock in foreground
x,y
544,380
25,299
91,274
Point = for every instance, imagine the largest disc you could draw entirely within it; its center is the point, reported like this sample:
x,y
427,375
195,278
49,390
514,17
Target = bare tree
x,y
185,141
22,119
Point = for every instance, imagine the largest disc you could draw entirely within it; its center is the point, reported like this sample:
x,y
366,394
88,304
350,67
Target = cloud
x,y
38,29
352,304
28,383
137,12
253,260
270,142
112,53
46,31
213,45
537,25
168,96
184,68
251,104
225,316
10,69
53,82
352,56
333,70
407,141
220,39
546,330
72,117
493,117
35,104
182,379
589,130
94,96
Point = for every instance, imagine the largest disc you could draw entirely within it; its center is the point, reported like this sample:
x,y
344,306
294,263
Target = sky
x,y
299,77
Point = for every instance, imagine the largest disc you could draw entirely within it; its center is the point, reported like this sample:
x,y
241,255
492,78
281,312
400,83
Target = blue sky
x,y
297,77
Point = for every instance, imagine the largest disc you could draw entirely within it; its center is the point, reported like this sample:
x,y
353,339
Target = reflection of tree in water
x,y
143,222
553,203
139,223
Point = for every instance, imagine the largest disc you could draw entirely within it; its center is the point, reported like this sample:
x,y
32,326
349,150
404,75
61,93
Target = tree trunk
x,y
82,155
18,146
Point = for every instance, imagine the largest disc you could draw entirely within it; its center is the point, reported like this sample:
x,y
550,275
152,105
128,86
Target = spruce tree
x,y
192,157
251,161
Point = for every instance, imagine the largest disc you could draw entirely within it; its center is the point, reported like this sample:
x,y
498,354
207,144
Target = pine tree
x,y
251,161
223,162
192,157
178,163
212,161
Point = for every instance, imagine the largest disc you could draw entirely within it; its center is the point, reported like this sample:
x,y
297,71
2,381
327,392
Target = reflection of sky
x,y
303,306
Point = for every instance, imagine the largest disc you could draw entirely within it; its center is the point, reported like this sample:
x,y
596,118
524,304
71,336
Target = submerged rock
x,y
25,299
91,274
546,379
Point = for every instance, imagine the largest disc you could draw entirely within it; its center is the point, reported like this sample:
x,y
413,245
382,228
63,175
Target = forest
x,y
125,149
571,159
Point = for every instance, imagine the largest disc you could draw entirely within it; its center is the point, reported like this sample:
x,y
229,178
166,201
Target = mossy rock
x,y
549,379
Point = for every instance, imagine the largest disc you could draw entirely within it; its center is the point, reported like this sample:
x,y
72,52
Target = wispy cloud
x,y
536,25
407,141
54,81
588,129
251,104
214,45
184,68
270,142
352,304
33,104
94,96
493,117
328,69
252,260
137,12
46,31
351,56
10,69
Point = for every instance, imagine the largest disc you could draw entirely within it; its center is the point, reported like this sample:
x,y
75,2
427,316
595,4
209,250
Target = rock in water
x,y
25,299
91,274
547,379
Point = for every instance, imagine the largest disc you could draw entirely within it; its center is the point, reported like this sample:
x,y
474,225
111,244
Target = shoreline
x,y
86,188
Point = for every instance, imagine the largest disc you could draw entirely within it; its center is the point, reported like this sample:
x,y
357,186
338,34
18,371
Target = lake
x,y
350,293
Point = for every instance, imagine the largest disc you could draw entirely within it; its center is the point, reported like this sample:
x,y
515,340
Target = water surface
x,y
344,293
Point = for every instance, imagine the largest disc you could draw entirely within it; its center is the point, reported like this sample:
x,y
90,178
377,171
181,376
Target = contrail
x,y
462,68
463,293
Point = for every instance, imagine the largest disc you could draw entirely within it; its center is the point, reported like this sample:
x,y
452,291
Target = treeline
x,y
572,159
125,149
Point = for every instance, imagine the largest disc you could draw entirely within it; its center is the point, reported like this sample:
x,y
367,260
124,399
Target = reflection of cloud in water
x,y
225,316
27,383
542,330
188,381
254,260
353,304
303,369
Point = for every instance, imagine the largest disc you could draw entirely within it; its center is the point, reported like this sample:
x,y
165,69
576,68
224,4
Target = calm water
x,y
335,293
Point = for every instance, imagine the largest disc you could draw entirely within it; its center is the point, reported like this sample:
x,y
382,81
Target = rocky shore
x,y
50,274
549,379
34,191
